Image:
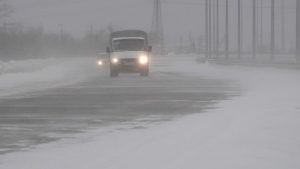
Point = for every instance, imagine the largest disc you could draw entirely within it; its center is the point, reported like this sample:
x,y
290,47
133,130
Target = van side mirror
x,y
107,50
150,48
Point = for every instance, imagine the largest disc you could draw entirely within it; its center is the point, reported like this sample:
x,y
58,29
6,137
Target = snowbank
x,y
259,129
27,75
29,65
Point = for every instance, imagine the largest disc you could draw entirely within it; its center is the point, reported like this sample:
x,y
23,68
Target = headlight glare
x,y
143,59
115,60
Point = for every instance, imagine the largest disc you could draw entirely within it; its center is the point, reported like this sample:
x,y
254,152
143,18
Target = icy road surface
x,y
184,116
37,117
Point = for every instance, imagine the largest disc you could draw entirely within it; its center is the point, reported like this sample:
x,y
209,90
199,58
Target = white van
x,y
129,52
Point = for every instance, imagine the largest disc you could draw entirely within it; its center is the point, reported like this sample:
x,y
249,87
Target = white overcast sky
x,y
179,17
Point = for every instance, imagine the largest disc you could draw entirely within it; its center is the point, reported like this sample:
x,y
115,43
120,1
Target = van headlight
x,y
100,62
115,60
143,59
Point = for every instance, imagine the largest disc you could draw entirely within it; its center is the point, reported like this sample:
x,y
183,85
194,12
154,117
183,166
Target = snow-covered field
x,y
259,129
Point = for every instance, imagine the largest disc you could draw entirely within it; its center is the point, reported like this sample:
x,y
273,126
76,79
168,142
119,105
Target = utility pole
x,y
180,44
261,27
157,35
91,38
226,32
239,29
282,29
206,29
272,30
257,24
5,38
61,29
254,32
217,43
297,31
92,30
201,44
61,37
5,30
192,43
292,50
214,30
209,30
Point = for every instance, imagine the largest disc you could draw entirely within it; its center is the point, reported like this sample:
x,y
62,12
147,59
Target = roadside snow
x,y
29,65
31,75
259,129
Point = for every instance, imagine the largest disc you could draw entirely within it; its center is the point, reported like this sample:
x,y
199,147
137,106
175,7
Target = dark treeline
x,y
18,42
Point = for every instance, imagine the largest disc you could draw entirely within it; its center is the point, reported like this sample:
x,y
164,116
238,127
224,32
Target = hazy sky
x,y
179,17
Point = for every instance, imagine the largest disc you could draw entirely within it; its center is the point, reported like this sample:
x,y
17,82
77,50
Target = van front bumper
x,y
129,66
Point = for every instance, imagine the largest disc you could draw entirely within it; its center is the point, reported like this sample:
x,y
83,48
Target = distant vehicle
x,y
102,57
100,62
129,52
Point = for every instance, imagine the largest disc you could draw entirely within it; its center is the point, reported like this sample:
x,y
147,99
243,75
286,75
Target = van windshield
x,y
129,44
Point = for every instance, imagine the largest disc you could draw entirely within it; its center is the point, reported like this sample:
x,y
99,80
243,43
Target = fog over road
x,y
44,116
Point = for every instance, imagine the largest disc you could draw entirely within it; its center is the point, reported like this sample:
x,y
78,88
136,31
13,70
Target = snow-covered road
x,y
249,119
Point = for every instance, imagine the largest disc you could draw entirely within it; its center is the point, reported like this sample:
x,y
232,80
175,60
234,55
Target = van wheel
x,y
113,73
145,73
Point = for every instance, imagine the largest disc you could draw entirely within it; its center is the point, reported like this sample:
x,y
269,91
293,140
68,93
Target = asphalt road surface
x,y
101,101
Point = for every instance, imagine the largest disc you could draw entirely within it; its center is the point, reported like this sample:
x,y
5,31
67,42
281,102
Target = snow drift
x,y
27,75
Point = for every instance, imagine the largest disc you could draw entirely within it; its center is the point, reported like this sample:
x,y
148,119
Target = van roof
x,y
128,38
129,33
